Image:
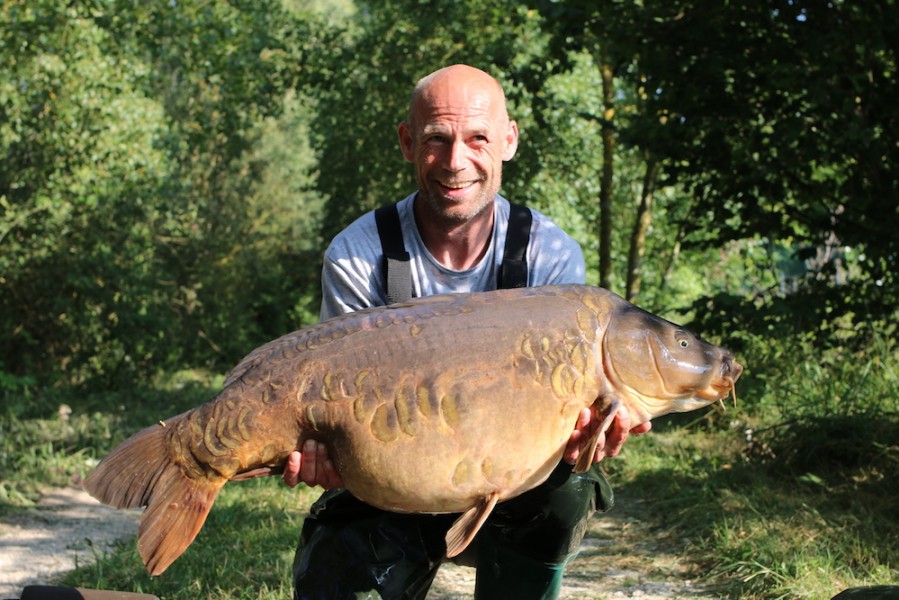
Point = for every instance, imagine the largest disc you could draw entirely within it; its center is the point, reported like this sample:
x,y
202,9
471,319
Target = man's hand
x,y
616,434
312,467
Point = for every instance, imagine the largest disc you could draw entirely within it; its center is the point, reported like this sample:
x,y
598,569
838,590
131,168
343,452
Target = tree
x,y
577,27
777,123
772,117
131,232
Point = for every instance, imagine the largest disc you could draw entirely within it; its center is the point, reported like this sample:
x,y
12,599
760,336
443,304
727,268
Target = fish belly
x,y
434,410
445,467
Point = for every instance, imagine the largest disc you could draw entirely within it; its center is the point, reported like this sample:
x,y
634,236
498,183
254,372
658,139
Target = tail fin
x,y
141,473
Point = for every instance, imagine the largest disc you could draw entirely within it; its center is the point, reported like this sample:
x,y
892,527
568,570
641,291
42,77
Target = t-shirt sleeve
x,y
554,257
351,277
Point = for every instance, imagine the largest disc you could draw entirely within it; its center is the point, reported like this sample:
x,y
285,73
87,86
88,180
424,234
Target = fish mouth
x,y
726,385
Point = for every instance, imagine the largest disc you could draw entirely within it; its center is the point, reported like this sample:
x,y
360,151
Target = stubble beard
x,y
452,213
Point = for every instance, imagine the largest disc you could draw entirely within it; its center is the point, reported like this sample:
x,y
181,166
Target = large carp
x,y
443,404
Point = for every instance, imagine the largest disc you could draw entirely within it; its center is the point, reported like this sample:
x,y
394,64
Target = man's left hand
x,y
616,434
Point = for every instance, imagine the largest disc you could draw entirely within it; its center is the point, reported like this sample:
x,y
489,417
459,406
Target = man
x,y
457,134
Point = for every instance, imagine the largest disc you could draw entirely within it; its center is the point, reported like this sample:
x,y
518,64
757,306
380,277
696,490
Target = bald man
x,y
457,134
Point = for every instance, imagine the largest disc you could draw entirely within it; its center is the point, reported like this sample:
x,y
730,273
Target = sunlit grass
x,y
759,530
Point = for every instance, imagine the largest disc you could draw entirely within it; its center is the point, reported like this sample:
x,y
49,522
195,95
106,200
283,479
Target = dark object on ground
x,y
875,592
49,592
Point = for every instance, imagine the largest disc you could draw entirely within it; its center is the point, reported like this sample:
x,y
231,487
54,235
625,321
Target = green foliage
x,y
163,196
768,119
78,136
136,198
785,141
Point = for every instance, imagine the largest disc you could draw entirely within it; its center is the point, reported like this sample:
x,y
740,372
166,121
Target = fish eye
x,y
683,342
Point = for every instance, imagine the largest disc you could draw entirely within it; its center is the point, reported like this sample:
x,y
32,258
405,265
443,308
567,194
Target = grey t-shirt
x,y
353,278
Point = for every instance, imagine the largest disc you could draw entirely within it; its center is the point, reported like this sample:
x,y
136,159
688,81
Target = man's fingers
x,y
310,464
642,428
578,436
613,440
292,469
583,420
332,479
323,466
571,453
617,434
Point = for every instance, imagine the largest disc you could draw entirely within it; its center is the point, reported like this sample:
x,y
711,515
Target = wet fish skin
x,y
443,404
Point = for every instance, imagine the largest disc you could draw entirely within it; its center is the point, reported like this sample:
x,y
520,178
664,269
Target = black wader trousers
x,y
349,549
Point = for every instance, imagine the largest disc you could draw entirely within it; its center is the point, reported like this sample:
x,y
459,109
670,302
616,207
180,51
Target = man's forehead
x,y
442,99
475,111
447,123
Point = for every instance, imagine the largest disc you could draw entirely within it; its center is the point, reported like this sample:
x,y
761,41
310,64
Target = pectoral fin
x,y
258,472
597,440
467,526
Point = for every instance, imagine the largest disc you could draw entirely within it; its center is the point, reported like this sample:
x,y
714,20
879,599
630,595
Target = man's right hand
x,y
312,467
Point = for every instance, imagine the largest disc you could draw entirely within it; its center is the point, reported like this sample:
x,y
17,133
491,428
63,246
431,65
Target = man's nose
x,y
456,159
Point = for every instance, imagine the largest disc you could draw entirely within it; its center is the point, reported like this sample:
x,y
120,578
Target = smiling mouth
x,y
457,185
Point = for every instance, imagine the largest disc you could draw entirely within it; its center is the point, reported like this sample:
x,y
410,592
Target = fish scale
x,y
415,402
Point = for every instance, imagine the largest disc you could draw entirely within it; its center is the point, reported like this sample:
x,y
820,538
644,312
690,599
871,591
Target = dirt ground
x,y
620,557
67,527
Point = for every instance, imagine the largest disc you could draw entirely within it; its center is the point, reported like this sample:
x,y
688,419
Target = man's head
x,y
458,134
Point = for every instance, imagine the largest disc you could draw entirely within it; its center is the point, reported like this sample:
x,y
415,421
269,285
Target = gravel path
x,y
619,558
66,527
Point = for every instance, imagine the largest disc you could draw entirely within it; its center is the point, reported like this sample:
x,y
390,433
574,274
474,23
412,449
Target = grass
x,y
53,437
802,508
244,551
761,529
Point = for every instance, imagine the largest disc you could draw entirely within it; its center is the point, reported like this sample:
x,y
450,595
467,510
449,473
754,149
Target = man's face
x,y
458,139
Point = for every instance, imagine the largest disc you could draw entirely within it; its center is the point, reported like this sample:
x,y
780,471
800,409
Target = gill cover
x,y
663,366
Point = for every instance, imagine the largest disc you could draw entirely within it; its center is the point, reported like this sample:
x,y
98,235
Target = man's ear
x,y
511,141
405,135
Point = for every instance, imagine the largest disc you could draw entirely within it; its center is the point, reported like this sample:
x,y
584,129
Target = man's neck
x,y
457,246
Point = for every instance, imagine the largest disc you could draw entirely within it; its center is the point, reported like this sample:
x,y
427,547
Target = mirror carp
x,y
444,404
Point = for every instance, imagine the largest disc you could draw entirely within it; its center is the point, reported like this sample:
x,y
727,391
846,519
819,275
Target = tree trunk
x,y
675,248
608,170
641,226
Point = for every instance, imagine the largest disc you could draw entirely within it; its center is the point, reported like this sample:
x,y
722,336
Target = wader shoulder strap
x,y
397,268
514,270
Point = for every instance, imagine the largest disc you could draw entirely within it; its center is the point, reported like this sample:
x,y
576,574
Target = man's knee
x,y
346,551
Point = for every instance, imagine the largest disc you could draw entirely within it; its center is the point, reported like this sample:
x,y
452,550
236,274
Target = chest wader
x,y
349,549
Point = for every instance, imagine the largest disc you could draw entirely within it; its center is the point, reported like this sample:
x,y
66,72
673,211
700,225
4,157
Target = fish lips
x,y
725,384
